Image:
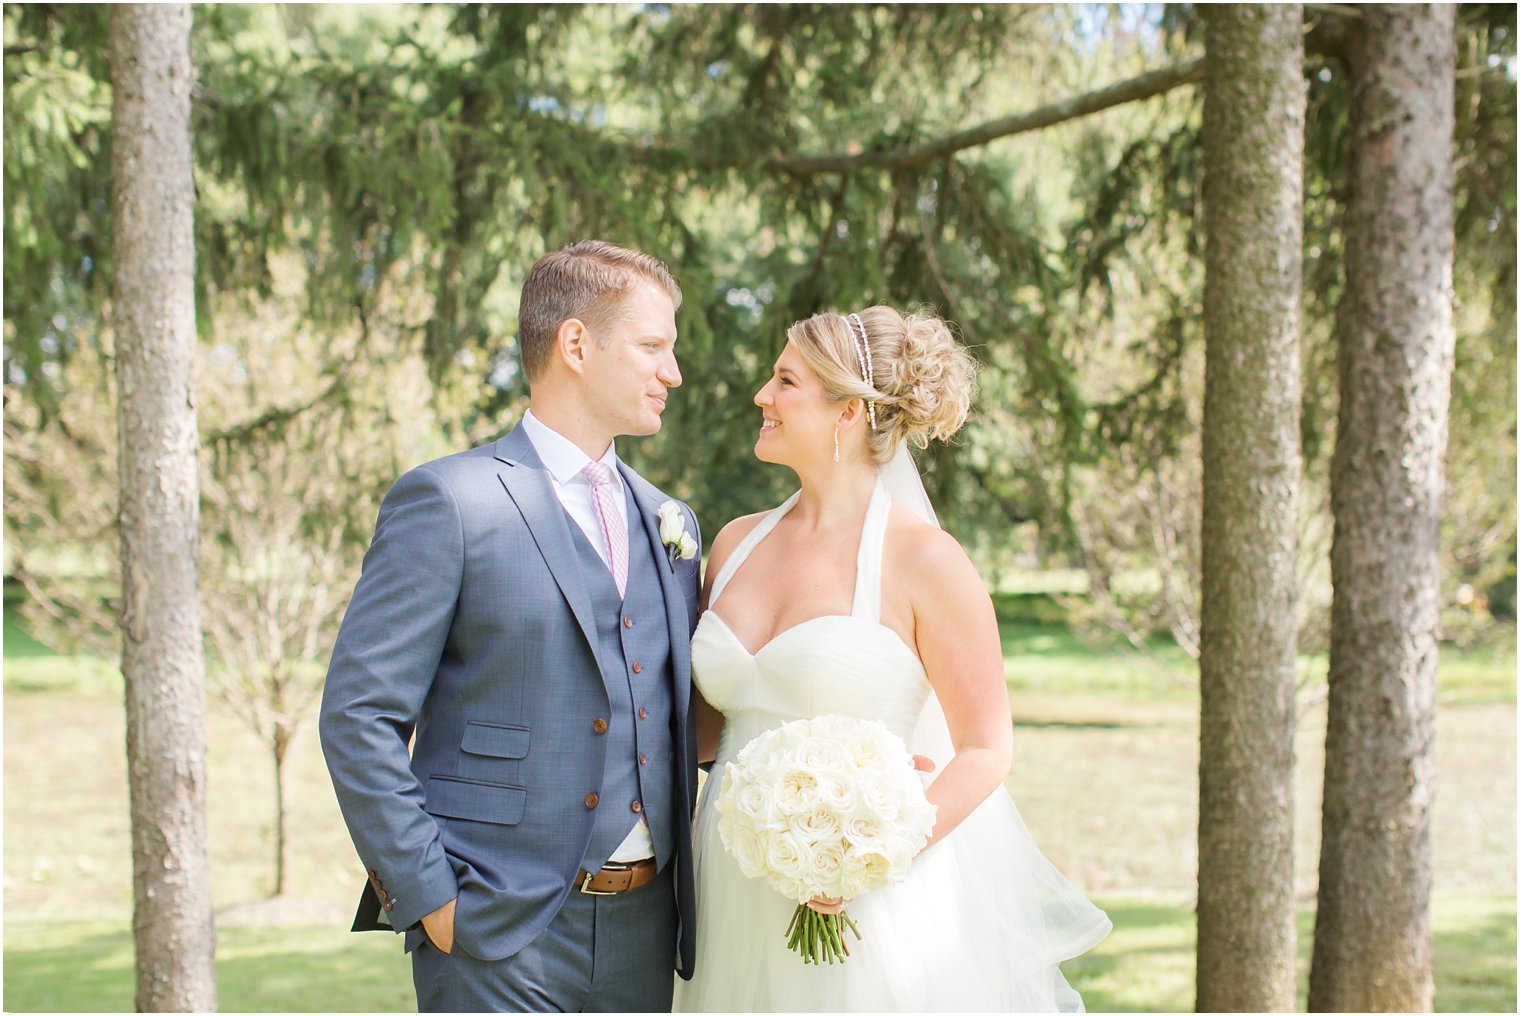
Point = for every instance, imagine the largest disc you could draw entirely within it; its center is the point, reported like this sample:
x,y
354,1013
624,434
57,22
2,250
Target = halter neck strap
x,y
868,559
867,596
741,552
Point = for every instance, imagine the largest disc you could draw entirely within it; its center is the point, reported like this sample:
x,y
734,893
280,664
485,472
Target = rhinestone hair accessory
x,y
863,355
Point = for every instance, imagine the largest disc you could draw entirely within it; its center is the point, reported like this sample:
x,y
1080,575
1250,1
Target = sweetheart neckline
x,y
802,624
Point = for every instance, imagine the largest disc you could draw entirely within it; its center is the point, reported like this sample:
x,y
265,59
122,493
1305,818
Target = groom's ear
x,y
571,342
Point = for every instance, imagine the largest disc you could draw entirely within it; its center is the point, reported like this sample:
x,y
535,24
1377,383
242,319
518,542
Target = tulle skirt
x,y
981,923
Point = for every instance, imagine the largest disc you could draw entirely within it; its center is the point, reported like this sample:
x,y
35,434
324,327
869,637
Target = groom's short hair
x,y
585,280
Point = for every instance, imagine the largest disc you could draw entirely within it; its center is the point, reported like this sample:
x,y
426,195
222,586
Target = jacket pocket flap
x,y
455,797
495,739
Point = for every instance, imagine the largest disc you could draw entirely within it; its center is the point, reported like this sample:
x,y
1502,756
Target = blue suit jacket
x,y
470,633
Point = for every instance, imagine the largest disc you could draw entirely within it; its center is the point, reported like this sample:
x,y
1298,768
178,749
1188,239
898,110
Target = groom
x,y
521,622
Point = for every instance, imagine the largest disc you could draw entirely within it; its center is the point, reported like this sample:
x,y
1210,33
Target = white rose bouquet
x,y
829,806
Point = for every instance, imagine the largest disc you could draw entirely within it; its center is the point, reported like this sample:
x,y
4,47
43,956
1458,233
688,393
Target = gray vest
x,y
633,644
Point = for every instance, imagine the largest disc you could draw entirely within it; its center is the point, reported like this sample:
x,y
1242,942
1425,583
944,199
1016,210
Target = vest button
x,y
599,725
627,622
638,667
592,800
643,713
643,759
637,806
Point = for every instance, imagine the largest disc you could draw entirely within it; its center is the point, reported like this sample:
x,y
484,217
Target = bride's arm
x,y
709,726
956,631
709,722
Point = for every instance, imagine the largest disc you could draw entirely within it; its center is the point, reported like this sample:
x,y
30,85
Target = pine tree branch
x,y
1338,10
276,416
1142,86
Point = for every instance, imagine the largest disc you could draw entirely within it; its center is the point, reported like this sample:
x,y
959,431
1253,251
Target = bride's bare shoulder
x,y
916,541
927,557
737,530
729,537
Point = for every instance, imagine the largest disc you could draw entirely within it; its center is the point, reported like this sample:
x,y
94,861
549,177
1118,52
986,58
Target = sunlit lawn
x,y
1042,654
87,967
1104,773
1146,965
31,666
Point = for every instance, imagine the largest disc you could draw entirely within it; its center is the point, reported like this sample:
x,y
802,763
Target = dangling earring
x,y
836,444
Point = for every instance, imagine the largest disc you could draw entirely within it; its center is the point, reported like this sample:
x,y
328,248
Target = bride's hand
x,y
826,905
923,763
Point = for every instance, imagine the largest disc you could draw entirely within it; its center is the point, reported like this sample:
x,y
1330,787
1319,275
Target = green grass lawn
x,y
1042,654
1146,965
87,967
1105,774
31,666
1484,673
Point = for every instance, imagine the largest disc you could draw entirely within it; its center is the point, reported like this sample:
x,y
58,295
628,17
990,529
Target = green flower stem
x,y
794,930
835,943
818,937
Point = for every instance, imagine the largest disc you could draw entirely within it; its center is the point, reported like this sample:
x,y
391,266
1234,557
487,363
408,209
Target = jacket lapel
x,y
649,500
530,487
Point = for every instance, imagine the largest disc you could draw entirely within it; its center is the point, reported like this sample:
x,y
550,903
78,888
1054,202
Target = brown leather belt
x,y
616,877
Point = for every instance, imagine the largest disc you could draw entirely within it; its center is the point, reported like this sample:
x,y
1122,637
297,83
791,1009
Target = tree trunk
x,y
1372,938
153,316
1253,170
279,746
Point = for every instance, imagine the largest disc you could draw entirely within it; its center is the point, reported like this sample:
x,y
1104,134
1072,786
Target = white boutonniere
x,y
679,544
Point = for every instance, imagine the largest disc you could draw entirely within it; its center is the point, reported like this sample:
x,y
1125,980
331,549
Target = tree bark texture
x,y
153,317
1372,938
279,746
1253,127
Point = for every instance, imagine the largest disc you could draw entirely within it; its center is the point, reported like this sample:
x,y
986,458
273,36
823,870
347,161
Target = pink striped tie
x,y
603,490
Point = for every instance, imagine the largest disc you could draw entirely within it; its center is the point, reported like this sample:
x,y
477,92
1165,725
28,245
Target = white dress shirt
x,y
564,460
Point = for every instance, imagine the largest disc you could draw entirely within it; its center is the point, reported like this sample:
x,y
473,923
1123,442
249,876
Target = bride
x,y
848,598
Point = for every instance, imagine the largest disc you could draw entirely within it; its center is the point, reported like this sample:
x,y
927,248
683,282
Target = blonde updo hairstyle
x,y
924,379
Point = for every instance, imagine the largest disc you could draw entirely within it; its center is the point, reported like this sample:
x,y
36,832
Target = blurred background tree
x,y
440,150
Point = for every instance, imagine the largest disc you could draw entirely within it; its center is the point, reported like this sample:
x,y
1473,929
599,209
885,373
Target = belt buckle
x,y
586,886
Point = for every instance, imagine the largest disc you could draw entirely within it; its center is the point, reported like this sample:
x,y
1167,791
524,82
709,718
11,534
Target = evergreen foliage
x,y
416,160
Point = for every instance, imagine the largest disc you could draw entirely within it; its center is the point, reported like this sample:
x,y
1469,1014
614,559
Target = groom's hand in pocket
x,y
439,926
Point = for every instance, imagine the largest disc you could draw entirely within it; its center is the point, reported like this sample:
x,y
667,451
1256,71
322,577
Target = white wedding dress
x,y
983,919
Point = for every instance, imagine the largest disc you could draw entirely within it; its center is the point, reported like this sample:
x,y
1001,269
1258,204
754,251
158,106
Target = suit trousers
x,y
599,954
